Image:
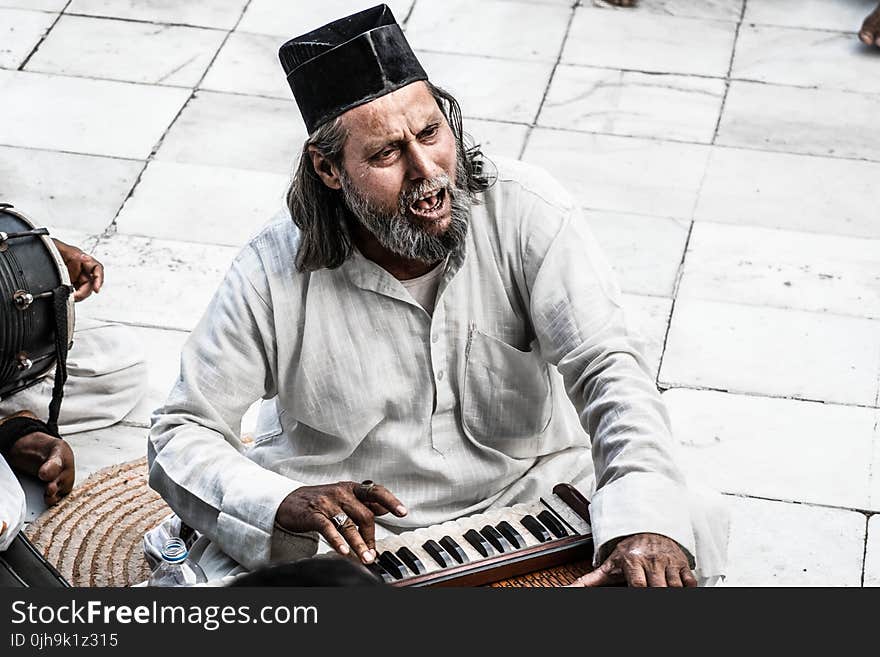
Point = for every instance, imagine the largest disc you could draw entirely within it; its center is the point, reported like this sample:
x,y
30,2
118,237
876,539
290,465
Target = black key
x,y
390,562
380,572
496,539
552,524
438,554
535,528
454,549
480,544
410,559
515,538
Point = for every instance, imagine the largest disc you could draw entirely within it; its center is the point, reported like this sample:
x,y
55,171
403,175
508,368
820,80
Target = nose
x,y
421,164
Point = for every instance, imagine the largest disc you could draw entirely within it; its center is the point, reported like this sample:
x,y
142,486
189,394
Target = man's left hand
x,y
86,273
643,560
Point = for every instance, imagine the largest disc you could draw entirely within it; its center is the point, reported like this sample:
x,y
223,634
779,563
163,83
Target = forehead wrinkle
x,y
391,119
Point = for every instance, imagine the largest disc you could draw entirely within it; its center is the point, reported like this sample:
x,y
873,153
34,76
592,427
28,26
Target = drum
x,y
36,305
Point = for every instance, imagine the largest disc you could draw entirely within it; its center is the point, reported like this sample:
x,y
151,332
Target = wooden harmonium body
x,y
489,547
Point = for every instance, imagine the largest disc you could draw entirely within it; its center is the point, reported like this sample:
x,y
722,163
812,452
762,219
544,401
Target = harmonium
x,y
548,542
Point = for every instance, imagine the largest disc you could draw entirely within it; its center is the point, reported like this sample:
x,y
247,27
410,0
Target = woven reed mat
x,y
94,536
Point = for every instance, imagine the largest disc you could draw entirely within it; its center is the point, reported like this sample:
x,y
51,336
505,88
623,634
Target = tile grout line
x,y
111,229
668,386
142,21
865,551
816,505
742,14
43,38
679,274
531,128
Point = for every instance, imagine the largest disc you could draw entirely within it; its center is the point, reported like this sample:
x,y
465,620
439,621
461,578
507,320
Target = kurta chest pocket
x,y
507,399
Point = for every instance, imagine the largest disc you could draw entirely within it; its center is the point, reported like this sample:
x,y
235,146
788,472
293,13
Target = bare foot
x,y
47,458
870,33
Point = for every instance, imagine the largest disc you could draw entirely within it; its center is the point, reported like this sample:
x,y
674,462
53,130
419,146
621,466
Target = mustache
x,y
410,196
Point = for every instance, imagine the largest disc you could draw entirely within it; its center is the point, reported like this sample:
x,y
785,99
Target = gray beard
x,y
397,233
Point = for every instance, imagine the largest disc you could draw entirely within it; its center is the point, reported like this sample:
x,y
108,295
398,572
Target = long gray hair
x,y
320,212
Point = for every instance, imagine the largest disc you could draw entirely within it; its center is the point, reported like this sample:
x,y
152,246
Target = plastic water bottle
x,y
176,568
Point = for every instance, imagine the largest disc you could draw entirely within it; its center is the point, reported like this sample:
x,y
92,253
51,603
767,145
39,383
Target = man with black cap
x,y
428,321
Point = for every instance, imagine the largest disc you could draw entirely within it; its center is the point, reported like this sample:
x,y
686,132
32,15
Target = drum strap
x,y
59,298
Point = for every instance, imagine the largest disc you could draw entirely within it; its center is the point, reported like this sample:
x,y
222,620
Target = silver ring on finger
x,y
340,520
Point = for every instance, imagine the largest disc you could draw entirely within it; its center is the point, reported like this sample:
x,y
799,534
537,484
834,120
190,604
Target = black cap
x,y
347,63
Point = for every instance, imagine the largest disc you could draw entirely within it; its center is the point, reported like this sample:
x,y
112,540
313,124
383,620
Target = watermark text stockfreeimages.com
x,y
210,617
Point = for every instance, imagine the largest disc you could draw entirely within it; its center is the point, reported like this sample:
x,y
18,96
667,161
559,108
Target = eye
x,y
429,132
385,154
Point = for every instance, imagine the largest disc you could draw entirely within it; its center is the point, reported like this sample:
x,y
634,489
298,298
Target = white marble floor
x,y
725,153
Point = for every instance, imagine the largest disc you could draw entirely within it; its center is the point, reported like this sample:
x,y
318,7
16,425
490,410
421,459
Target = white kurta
x,y
488,401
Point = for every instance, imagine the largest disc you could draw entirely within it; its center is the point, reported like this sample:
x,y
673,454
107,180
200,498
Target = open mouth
x,y
430,205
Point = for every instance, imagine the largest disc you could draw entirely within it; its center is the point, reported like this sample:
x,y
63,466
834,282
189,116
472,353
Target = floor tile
x,y
784,353
114,50
784,269
830,60
158,283
85,116
163,368
94,450
643,176
872,553
495,138
842,15
775,448
648,317
243,132
781,544
221,14
192,203
648,42
76,191
484,87
41,5
20,32
799,120
645,252
799,192
248,64
290,19
491,28
635,104
724,10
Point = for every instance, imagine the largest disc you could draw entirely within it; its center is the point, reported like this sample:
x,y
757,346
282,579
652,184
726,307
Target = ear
x,y
326,170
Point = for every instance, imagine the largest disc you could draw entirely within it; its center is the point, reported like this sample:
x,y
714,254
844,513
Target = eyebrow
x,y
374,146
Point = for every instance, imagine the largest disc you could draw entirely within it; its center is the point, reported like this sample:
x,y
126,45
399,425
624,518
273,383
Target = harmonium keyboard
x,y
500,547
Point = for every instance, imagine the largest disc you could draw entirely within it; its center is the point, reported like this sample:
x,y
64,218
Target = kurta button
x,y
435,338
440,375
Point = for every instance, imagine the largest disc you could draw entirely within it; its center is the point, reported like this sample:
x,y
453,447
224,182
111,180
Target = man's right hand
x,y
311,508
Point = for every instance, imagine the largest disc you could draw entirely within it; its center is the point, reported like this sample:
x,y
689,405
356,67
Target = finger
x,y
601,576
351,534
378,494
366,527
656,575
688,578
96,273
50,495
635,575
673,577
51,468
376,509
328,530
